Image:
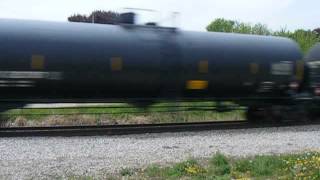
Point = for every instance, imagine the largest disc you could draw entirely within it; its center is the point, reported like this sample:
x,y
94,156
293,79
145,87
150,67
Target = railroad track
x,y
136,129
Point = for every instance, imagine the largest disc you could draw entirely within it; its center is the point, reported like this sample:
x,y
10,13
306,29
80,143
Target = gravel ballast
x,y
60,157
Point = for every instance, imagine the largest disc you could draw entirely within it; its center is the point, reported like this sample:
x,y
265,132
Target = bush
x,y
220,164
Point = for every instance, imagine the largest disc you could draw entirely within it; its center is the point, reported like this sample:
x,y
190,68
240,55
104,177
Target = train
x,y
45,62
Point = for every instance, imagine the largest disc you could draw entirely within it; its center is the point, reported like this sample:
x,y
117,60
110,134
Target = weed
x,y
220,164
20,121
306,166
266,165
219,167
243,165
4,121
126,172
153,171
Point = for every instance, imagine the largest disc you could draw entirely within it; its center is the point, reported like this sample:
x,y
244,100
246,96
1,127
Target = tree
x,y
229,26
260,29
98,16
221,25
283,32
305,38
78,18
243,28
104,17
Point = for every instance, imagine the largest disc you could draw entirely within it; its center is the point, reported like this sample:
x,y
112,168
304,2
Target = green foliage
x,y
260,29
153,171
243,165
305,38
259,166
265,165
219,167
283,32
221,25
229,26
126,172
190,167
98,16
306,166
220,164
243,28
187,168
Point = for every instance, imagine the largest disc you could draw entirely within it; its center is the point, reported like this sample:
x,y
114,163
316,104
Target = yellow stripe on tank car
x,y
116,64
254,68
300,70
37,62
197,85
203,66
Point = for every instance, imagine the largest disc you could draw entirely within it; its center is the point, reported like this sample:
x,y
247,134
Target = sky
x,y
193,14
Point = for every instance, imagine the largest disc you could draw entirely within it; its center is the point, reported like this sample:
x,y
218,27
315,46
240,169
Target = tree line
x,y
98,17
305,38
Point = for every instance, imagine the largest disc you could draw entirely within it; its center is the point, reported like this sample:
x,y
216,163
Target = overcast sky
x,y
194,14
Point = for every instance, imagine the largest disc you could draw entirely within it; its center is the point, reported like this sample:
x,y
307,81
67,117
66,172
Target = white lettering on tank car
x,y
4,83
16,82
282,68
314,64
31,75
16,85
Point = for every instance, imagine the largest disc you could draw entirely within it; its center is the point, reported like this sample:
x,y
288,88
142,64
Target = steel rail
x,y
67,131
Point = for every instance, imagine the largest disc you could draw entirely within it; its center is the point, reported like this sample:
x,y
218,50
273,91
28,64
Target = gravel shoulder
x,y
28,158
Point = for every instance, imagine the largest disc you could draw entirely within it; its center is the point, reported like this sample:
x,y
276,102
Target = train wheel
x,y
254,114
290,113
264,114
313,113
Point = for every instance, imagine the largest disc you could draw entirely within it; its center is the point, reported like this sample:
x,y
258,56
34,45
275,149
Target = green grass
x,y
219,165
120,114
187,168
297,166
